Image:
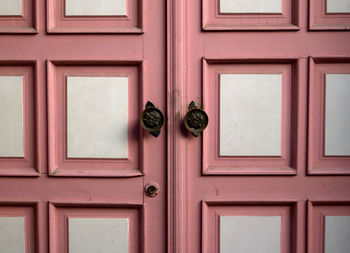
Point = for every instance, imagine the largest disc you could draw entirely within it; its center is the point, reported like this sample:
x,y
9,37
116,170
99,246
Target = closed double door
x,y
174,126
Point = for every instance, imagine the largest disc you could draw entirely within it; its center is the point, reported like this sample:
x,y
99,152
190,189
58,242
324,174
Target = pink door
x,y
79,80
270,173
74,79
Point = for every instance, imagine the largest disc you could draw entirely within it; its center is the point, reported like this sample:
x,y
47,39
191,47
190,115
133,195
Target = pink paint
x,y
172,52
318,162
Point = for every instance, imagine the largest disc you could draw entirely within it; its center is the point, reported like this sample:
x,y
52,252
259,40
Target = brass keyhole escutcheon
x,y
152,119
152,189
196,119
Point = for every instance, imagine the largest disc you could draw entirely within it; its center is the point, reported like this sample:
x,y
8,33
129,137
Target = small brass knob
x,y
152,119
196,119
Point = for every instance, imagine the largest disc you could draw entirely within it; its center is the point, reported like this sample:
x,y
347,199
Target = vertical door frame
x,y
176,102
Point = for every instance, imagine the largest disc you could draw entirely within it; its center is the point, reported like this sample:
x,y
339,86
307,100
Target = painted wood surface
x,y
173,52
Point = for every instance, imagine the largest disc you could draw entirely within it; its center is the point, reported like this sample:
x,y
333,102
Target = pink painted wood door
x,y
74,161
270,173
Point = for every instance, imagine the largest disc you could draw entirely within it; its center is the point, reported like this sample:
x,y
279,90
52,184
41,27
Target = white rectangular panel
x,y
12,235
338,6
10,7
250,114
250,6
97,109
92,235
243,234
95,7
11,116
337,238
337,121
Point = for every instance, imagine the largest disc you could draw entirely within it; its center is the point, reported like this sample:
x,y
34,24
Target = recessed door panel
x,y
251,6
12,234
96,8
250,114
329,106
18,132
93,116
9,8
104,16
11,113
97,117
337,139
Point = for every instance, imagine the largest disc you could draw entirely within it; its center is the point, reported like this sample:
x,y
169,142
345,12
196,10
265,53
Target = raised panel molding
x,y
328,226
328,135
120,153
19,226
221,154
108,227
221,15
18,16
21,149
329,15
230,224
104,16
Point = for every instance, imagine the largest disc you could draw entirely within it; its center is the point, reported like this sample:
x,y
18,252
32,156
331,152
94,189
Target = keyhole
x,y
151,189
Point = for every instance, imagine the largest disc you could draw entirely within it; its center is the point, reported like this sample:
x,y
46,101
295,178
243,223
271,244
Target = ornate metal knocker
x,y
196,120
152,119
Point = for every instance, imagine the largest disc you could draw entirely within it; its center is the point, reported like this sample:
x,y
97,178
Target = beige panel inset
x,y
11,116
243,234
10,7
250,6
337,122
95,7
12,235
337,235
338,6
97,109
92,235
250,114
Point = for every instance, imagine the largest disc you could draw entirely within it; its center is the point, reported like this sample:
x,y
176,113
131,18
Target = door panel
x,y
252,104
260,160
96,135
328,141
18,227
85,227
107,16
77,87
223,15
18,151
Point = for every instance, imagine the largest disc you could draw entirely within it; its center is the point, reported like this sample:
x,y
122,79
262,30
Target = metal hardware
x,y
151,189
152,119
196,120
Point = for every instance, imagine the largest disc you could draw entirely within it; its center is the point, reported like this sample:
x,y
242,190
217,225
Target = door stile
x,y
177,148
